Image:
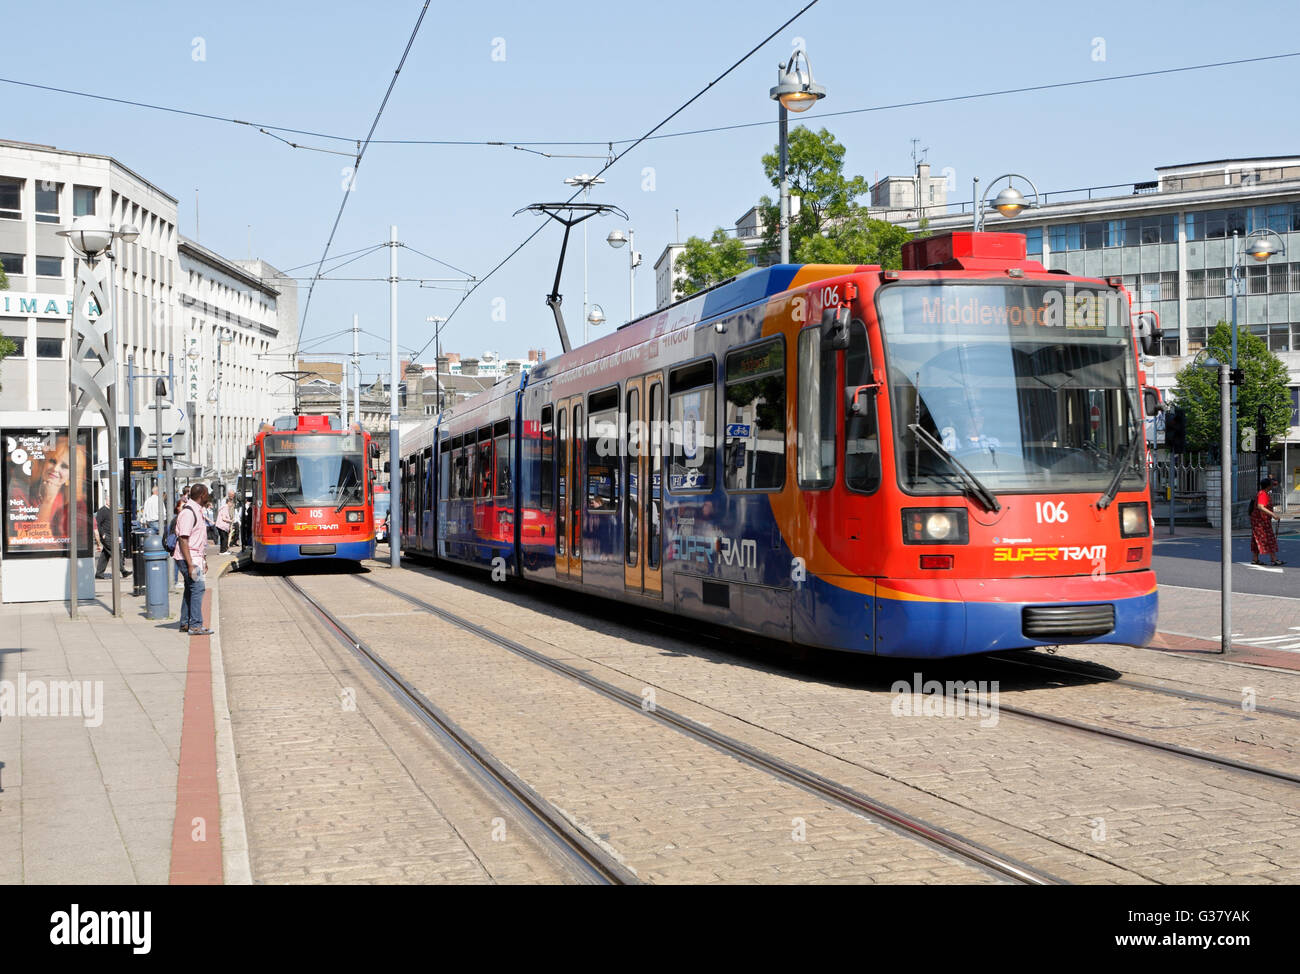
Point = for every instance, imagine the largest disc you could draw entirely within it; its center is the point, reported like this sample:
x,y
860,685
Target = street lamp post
x,y
90,238
1205,360
586,182
1258,245
1010,202
437,322
616,239
795,92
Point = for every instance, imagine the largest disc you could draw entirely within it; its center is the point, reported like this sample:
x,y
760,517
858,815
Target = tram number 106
x,y
1050,512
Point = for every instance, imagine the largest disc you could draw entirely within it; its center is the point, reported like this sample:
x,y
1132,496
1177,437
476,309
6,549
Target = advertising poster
x,y
34,486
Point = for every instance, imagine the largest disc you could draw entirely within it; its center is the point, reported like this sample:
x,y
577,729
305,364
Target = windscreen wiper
x,y
1104,501
348,491
284,500
981,492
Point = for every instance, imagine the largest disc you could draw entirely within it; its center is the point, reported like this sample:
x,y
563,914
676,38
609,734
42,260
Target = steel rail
x,y
802,777
591,862
1085,669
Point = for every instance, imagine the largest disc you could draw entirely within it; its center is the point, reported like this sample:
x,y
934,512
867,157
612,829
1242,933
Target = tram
x,y
942,460
309,489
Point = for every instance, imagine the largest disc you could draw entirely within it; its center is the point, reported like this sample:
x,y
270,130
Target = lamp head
x,y
795,88
89,236
596,316
1206,360
129,232
1010,202
1261,248
616,239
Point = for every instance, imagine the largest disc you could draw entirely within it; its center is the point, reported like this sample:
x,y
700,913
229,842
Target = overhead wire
x,y
356,166
615,158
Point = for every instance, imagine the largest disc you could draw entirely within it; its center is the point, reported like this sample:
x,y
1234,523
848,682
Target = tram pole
x,y
1225,501
394,478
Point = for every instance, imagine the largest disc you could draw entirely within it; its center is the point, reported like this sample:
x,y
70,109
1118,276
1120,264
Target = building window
x,y
49,266
1257,280
1093,235
84,199
1277,278
1295,278
1216,282
1034,241
1196,284
1115,233
13,263
11,199
49,348
47,201
20,345
1169,285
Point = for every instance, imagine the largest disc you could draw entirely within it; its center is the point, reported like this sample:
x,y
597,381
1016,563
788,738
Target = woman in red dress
x,y
1263,541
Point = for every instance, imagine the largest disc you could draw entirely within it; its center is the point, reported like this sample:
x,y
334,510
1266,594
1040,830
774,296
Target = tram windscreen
x,y
314,470
1030,387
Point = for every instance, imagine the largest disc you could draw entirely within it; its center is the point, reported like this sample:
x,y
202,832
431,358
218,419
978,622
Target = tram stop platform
x,y
112,767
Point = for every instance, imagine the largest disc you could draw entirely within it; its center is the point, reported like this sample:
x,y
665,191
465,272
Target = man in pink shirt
x,y
191,546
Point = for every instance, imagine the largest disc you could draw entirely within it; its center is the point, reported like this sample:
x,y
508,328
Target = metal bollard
x,y
137,562
156,584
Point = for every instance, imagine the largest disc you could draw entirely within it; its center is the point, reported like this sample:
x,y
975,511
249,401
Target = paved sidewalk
x,y
90,740
1266,628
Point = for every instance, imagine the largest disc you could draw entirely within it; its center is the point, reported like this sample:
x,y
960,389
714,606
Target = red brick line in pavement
x,y
1209,649
196,845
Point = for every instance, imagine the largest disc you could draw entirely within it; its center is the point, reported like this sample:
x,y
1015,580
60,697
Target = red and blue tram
x,y
310,491
942,460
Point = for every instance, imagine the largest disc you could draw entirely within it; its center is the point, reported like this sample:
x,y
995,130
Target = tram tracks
x,y
836,793
585,859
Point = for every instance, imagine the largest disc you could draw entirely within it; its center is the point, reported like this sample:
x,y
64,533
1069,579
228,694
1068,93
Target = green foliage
x,y
831,227
1265,385
4,280
706,262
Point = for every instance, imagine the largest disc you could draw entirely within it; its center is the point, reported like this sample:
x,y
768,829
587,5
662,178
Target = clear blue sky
x,y
610,73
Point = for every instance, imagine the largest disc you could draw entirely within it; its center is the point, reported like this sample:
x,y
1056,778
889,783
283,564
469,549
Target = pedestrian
x,y
191,548
102,523
1263,540
210,519
171,529
224,518
150,512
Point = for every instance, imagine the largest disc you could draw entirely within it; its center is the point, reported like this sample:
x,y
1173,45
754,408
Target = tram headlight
x,y
276,517
1134,520
356,517
935,525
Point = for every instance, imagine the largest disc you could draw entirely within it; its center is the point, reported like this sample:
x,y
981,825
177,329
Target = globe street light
x,y
1010,202
596,316
1258,245
616,239
795,91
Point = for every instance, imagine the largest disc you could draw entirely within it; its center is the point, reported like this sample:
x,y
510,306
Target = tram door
x,y
570,433
643,475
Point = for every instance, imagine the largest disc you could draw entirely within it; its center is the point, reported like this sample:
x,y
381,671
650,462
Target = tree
x,y
830,227
1264,387
706,262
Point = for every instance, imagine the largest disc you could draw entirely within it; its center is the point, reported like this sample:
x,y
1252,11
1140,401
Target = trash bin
x,y
156,583
137,561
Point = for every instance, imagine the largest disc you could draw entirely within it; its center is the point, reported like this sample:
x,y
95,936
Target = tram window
x,y
603,451
816,433
548,459
503,465
483,464
631,528
691,427
754,450
656,404
861,433
562,431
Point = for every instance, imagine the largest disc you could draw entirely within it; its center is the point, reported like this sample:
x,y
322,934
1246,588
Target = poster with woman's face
x,y
35,482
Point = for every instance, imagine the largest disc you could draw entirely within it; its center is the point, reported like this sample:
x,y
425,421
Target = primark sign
x,y
23,304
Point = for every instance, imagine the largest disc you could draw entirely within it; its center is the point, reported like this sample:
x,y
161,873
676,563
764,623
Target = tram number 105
x,y
1052,512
